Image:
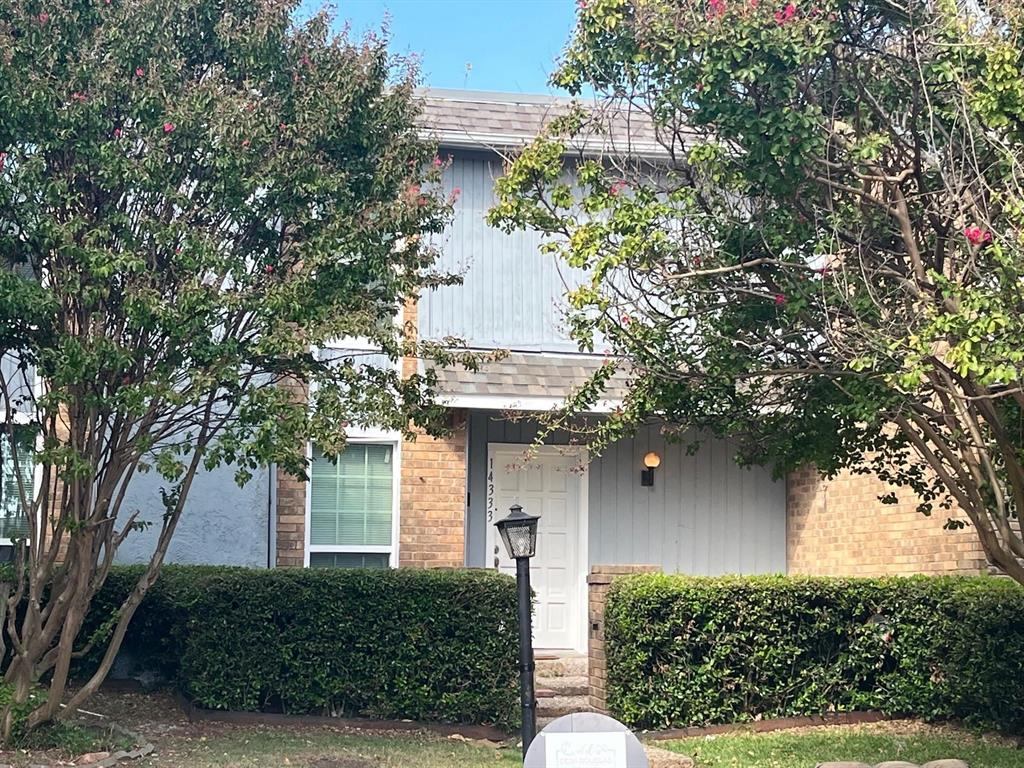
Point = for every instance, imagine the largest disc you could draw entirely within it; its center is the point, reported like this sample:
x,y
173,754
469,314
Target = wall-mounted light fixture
x,y
651,462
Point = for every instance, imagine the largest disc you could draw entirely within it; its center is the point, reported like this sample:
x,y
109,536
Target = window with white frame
x,y
353,507
16,475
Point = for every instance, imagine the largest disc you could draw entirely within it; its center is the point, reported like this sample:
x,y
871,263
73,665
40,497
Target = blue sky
x,y
508,45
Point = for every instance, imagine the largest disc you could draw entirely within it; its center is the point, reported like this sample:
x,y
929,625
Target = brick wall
x,y
839,527
433,499
432,492
598,583
433,487
290,528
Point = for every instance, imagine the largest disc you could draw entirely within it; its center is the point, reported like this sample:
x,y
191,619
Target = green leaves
x,y
701,651
417,644
828,244
196,194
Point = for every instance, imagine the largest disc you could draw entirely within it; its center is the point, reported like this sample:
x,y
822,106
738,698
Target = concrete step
x,y
556,706
542,722
560,666
570,685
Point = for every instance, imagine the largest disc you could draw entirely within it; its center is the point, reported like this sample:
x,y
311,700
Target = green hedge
x,y
419,644
698,651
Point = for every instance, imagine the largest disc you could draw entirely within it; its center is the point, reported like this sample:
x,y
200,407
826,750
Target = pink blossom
x,y
139,71
43,17
437,162
305,61
282,127
626,319
117,133
79,97
168,127
617,188
787,13
754,3
245,143
977,236
716,8
3,160
269,269
780,299
455,194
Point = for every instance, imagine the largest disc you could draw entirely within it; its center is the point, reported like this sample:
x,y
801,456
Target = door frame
x,y
494,450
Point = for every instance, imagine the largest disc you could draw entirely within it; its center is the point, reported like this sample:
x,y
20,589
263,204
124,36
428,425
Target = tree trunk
x,y
19,678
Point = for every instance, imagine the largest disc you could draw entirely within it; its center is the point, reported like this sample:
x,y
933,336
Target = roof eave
x,y
494,142
529,403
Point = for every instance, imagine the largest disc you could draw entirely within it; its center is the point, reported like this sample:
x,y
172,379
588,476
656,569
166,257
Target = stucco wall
x,y
222,524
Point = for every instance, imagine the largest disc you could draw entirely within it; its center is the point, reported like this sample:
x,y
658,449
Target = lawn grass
x,y
868,744
264,747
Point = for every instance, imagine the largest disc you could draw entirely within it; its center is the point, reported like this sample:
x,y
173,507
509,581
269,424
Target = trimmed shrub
x,y
687,651
418,644
154,642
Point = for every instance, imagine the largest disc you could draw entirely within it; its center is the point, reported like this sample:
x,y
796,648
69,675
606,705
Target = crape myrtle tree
x,y
194,196
823,259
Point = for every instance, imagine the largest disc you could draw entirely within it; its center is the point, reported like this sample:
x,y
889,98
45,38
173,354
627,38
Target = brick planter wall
x,y
598,582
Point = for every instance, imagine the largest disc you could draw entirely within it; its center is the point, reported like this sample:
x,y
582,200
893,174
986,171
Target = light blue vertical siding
x,y
513,296
705,514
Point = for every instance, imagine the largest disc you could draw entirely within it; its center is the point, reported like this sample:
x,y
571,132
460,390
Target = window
x,y
352,507
13,520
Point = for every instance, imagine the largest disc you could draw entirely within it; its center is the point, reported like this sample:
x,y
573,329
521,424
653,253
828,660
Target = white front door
x,y
548,484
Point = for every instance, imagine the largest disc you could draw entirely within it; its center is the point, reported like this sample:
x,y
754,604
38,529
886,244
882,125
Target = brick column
x,y
434,478
433,499
290,522
599,581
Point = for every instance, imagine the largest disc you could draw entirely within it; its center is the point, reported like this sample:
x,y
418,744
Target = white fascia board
x,y
512,403
499,141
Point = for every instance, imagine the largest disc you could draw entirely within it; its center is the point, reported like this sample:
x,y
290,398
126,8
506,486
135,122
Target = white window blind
x,y
13,520
351,505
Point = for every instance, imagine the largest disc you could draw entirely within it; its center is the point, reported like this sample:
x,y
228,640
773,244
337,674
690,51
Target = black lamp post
x,y
519,532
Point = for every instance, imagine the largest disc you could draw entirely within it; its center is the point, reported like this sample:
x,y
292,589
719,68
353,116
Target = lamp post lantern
x,y
519,532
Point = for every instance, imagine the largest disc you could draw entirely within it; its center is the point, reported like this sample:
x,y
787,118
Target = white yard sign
x,y
585,750
585,740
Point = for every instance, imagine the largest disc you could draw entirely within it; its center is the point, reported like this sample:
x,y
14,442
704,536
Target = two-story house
x,y
432,502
